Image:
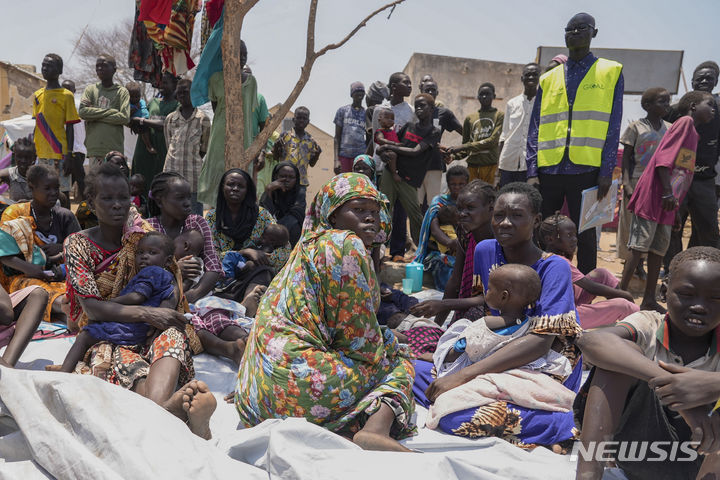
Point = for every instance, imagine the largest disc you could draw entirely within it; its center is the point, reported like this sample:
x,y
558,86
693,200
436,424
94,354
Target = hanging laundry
x,y
143,57
173,38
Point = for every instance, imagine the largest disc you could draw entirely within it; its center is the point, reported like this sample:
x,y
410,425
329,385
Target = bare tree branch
x,y
360,25
310,56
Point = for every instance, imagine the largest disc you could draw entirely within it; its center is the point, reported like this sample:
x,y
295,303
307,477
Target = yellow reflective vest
x,y
588,120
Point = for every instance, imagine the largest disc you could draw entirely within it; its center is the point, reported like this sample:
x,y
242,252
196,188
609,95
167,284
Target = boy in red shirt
x,y
660,190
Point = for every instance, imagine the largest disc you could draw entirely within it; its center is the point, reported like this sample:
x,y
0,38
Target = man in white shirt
x,y
77,169
513,140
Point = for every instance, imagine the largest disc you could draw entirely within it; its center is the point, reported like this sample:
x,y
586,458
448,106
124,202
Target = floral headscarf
x,y
334,194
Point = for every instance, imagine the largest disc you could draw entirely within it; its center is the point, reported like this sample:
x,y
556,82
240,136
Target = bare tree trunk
x,y
235,154
235,11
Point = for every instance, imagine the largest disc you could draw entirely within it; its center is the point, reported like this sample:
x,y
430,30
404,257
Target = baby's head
x,y
448,215
154,249
694,292
135,92
512,288
275,236
386,118
137,185
189,243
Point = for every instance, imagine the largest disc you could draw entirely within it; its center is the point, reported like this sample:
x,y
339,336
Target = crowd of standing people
x,y
148,277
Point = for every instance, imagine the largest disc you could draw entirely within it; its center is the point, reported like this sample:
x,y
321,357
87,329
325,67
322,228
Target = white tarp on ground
x,y
70,426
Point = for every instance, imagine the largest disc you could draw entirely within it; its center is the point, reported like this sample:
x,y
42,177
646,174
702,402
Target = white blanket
x,y
55,425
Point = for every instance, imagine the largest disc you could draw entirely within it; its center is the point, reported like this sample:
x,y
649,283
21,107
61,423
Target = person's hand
x,y
603,187
51,249
190,267
669,202
534,181
381,149
272,186
278,150
443,384
428,308
164,318
230,397
454,247
627,296
397,177
685,388
257,256
38,271
705,430
67,164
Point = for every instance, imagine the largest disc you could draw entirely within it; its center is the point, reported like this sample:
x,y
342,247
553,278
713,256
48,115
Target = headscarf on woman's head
x,y
367,160
282,201
334,194
238,229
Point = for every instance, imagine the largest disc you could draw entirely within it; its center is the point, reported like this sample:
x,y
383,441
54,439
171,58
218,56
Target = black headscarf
x,y
238,229
279,202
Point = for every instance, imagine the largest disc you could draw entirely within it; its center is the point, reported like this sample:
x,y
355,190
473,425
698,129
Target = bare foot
x,y
376,441
199,409
653,306
175,404
252,299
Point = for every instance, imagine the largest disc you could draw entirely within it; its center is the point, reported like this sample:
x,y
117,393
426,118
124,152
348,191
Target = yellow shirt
x,y
53,110
448,230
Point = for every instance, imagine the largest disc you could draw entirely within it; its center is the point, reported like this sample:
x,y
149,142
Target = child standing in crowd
x,y
23,156
138,109
137,190
152,286
640,140
660,190
105,107
481,134
54,113
187,131
413,157
661,388
350,130
298,147
387,135
558,235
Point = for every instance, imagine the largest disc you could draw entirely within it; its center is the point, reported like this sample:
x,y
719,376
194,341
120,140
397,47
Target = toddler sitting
x,y
152,286
512,289
273,237
190,243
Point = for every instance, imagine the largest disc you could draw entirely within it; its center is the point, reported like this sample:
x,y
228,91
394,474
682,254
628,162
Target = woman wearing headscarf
x,y
285,200
316,349
237,225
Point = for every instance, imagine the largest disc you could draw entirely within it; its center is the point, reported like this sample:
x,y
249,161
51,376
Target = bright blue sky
x,y
275,34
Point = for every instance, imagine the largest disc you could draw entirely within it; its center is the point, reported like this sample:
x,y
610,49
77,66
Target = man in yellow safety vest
x,y
574,130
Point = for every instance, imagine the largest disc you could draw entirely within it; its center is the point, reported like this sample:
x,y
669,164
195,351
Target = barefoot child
x,y
138,109
558,235
387,135
656,377
152,286
661,189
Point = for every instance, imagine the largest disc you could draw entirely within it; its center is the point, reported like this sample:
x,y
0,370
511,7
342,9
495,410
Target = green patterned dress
x,y
316,349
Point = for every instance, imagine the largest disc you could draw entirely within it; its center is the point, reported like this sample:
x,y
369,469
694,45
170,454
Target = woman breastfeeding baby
x,y
544,346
